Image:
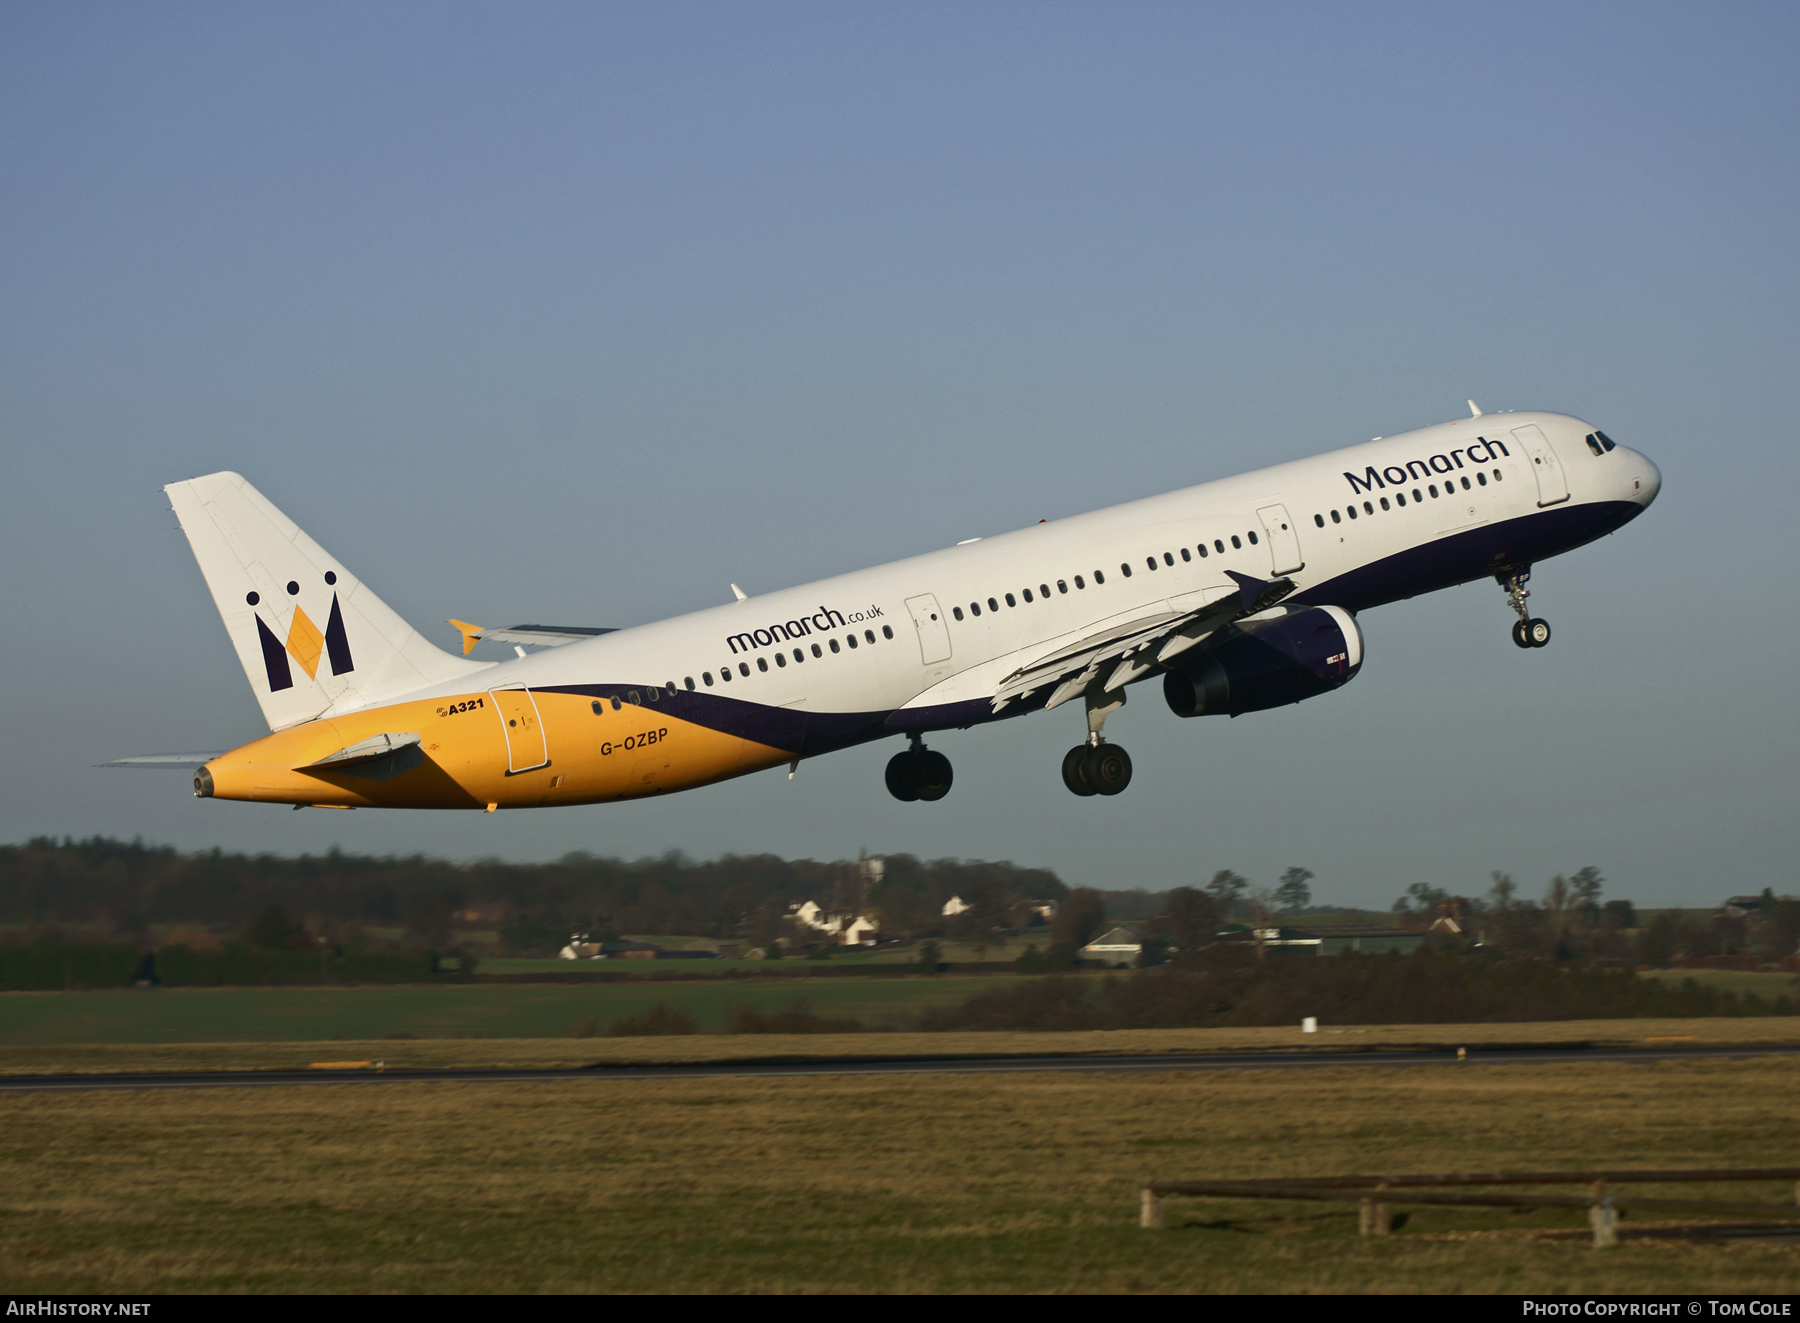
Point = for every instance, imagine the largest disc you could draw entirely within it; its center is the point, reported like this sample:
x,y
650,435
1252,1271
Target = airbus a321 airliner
x,y
1234,596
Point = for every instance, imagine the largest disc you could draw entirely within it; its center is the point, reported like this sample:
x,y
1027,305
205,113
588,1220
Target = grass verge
x,y
916,1183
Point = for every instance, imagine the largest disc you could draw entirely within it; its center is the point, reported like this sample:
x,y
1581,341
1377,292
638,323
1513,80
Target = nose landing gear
x,y
1098,768
918,773
1527,631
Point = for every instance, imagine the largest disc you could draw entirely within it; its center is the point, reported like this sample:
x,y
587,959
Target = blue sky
x,y
581,313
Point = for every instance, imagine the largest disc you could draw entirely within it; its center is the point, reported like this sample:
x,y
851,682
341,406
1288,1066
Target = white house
x,y
954,906
850,929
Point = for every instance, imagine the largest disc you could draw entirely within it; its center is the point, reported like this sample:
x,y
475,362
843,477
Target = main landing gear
x,y
1527,631
1098,768
918,773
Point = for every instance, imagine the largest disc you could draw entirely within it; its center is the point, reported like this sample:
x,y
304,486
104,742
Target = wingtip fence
x,y
1376,1195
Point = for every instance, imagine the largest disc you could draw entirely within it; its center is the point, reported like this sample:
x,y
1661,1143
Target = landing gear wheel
x,y
1536,633
1107,768
902,777
1074,770
1518,633
934,775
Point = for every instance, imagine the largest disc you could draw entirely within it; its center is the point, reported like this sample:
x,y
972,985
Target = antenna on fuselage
x,y
739,593
1474,409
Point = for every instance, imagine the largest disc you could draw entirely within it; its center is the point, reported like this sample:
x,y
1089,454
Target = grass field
x,y
916,1183
1763,983
197,1015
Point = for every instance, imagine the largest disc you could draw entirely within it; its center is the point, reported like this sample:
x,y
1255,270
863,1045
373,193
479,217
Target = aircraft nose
x,y
1646,479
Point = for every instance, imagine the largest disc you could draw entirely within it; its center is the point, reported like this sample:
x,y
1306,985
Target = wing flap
x,y
1136,648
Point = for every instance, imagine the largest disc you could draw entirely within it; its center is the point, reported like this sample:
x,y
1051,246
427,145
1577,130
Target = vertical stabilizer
x,y
310,636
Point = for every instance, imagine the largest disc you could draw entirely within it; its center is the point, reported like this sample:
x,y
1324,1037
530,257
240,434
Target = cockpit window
x,y
1594,444
1606,440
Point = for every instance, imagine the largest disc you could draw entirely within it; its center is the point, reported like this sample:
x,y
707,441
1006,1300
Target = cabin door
x,y
1284,542
933,630
1553,484
525,748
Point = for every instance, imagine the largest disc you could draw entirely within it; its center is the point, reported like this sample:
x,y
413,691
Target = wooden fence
x,y
1376,1195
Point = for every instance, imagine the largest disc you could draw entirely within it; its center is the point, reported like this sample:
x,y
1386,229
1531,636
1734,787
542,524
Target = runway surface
x,y
1511,1056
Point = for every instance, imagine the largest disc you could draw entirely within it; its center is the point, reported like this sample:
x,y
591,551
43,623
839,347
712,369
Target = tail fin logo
x,y
304,644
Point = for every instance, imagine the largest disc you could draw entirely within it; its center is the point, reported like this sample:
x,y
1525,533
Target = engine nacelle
x,y
1267,663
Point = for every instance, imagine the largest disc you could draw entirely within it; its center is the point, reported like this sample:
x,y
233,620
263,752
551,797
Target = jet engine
x,y
1259,664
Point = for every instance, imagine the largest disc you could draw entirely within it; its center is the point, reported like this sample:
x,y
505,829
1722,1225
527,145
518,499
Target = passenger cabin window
x,y
1384,504
1350,510
706,678
688,680
851,640
975,608
781,659
956,611
1368,509
869,636
1319,520
832,643
1078,582
636,701
1235,543
1335,518
1099,578
992,606
1218,546
1481,478
1010,601
1417,496
744,668
1025,593
1062,586
887,632
1125,569
1252,536
1043,592
597,707
799,656
1496,475
1433,490
1465,483
1202,550
1188,556
1170,560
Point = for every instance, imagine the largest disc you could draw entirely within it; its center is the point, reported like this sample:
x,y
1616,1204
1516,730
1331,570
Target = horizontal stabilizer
x,y
367,751
542,636
179,762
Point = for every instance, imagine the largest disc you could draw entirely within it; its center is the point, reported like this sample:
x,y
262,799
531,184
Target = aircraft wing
x,y
1122,653
181,762
542,636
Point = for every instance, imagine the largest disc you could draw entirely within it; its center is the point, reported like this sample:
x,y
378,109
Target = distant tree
x,y
1656,948
930,955
1421,898
1619,914
1500,894
273,931
1292,893
1153,951
1556,895
1585,886
1078,919
1227,887
1781,921
1189,919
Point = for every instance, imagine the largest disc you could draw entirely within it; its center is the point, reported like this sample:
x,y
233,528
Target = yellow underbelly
x,y
504,749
